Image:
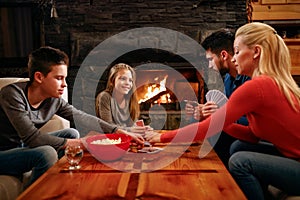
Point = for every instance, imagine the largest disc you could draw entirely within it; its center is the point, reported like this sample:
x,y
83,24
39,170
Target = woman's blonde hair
x,y
134,108
275,60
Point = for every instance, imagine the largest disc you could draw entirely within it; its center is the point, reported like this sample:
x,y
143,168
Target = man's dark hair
x,y
220,40
44,58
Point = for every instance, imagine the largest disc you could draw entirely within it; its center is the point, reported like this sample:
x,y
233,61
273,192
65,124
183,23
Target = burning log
x,y
156,97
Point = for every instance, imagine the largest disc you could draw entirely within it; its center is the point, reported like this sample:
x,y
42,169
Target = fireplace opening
x,y
162,90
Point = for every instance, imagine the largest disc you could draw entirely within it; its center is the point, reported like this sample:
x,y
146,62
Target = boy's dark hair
x,y
43,59
220,40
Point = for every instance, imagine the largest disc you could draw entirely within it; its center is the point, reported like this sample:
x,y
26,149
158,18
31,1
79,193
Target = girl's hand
x,y
135,136
138,129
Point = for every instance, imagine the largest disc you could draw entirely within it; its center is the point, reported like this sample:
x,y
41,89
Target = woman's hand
x,y
152,136
135,136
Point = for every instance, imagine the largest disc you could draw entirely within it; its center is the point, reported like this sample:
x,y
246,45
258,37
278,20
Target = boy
x,y
27,106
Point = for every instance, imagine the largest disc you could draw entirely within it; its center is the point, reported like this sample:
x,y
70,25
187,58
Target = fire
x,y
166,98
155,89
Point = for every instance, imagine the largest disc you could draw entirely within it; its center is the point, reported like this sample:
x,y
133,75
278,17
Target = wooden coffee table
x,y
187,177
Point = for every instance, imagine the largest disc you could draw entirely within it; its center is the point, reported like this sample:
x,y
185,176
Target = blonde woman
x,y
271,102
118,104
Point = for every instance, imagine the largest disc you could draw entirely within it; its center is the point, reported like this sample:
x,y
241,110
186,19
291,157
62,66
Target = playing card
x,y
216,96
139,123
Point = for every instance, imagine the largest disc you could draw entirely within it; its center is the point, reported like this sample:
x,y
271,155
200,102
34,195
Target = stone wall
x,y
82,25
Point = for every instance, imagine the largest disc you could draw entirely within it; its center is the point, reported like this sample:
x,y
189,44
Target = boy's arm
x,y
83,120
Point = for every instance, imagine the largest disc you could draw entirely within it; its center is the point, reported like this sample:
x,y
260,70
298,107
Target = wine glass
x,y
74,154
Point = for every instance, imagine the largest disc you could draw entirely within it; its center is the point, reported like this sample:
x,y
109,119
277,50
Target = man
x,y
219,51
25,107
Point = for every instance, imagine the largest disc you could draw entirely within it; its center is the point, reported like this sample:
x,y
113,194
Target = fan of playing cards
x,y
216,96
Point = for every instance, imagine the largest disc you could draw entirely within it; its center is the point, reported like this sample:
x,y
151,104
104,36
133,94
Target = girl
x,y
118,103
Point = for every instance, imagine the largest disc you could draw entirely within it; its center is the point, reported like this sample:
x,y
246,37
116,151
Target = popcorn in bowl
x,y
107,141
108,147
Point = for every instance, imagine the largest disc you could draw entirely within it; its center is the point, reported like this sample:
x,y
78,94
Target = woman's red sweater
x,y
270,117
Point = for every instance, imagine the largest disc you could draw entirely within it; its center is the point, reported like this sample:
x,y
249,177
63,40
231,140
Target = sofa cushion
x,y
10,187
9,80
280,195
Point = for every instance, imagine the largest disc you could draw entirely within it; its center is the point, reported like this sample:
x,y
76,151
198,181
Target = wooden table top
x,y
139,176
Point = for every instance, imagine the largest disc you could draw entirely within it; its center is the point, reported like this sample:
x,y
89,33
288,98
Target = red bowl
x,y
108,152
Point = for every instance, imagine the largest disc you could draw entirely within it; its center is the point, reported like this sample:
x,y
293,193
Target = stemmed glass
x,y
74,154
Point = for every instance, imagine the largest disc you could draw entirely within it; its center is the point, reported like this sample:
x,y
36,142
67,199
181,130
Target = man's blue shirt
x,y
230,85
